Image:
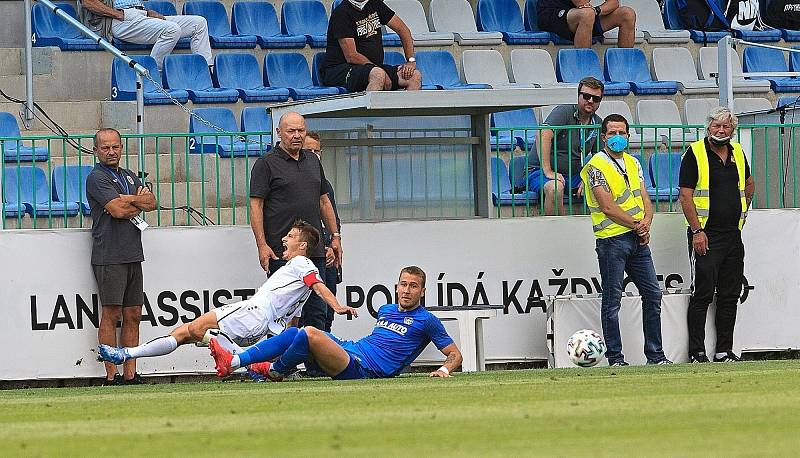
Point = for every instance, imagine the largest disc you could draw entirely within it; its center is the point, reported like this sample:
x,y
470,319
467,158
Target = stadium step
x,y
72,116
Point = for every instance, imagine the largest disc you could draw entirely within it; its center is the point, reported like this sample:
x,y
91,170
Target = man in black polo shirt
x,y
715,192
288,185
354,57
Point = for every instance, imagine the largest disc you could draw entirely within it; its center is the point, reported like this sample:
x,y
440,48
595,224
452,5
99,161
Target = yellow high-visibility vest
x,y
701,197
629,198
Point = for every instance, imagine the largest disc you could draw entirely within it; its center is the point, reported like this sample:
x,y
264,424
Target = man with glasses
x,y
563,151
621,216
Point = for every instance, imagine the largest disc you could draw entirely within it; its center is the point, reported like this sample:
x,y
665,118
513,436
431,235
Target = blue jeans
x,y
619,255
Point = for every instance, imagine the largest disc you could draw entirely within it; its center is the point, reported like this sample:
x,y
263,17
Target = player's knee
x,y
584,16
312,333
416,78
111,314
170,30
627,16
132,315
377,75
196,331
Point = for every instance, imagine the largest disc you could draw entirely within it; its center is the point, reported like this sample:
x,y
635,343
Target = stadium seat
x,y
673,22
621,107
123,83
696,110
69,185
630,65
240,71
219,28
518,129
167,8
18,150
306,17
261,20
190,73
258,119
394,58
50,30
215,141
456,16
531,21
663,112
535,66
439,71
486,66
708,67
28,185
677,64
788,101
664,169
648,20
505,17
412,13
743,105
290,70
572,65
502,191
316,72
770,60
519,167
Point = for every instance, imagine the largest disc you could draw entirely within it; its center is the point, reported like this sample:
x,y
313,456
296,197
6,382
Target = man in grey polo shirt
x,y
116,197
287,184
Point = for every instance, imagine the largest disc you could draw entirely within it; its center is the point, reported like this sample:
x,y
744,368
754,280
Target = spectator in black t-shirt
x,y
354,57
579,21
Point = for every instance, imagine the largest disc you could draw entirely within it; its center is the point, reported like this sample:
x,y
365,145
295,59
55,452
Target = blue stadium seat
x,y
223,145
28,185
306,17
290,70
393,58
123,83
258,119
316,72
770,60
504,16
515,119
673,22
664,170
790,101
572,65
50,30
190,73
439,71
261,20
219,28
531,21
18,150
69,185
502,191
630,65
240,71
167,8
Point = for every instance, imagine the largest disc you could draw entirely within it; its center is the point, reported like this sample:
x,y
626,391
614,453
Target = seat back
x,y
289,69
499,16
45,23
69,183
648,15
531,16
696,110
26,184
255,18
165,8
452,16
626,65
519,120
750,104
764,60
8,125
238,71
187,71
304,17
123,77
615,106
412,13
708,63
670,16
794,60
674,64
439,67
665,169
394,58
256,119
500,179
790,101
484,66
532,66
662,111
316,68
572,65
215,13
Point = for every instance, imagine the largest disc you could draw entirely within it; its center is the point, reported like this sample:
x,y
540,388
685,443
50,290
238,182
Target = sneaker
x,y
117,380
729,357
222,358
659,363
136,380
699,357
619,364
107,353
266,371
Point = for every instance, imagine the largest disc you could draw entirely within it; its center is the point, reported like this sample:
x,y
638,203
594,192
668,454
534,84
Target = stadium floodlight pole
x,y
725,71
28,115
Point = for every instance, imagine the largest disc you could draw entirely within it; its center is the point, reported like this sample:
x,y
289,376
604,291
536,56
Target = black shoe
x,y
729,357
136,380
117,380
619,364
699,357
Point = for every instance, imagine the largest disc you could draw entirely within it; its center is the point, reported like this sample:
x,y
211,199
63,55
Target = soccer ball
x,y
586,348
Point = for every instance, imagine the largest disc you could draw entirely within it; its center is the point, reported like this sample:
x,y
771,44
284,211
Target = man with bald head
x,y
287,184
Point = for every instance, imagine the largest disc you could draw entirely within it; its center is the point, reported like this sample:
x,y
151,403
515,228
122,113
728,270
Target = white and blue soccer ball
x,y
586,348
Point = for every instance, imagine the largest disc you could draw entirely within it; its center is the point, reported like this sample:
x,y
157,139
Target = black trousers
x,y
315,310
331,275
720,271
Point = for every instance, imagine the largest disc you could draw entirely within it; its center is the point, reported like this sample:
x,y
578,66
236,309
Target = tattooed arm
x,y
452,361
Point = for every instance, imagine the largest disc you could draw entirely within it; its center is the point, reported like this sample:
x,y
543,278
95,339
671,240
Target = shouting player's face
x,y
292,246
409,290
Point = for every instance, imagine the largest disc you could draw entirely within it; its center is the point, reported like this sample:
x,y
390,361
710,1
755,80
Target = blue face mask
x,y
617,143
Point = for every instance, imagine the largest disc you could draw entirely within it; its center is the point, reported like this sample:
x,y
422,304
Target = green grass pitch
x,y
740,409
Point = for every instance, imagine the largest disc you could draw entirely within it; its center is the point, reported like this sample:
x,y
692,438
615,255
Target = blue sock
x,y
294,355
268,349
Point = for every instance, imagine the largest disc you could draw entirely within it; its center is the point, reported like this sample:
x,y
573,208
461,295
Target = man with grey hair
x,y
716,190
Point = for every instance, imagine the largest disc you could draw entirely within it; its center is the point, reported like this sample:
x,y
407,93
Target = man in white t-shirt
x,y
276,305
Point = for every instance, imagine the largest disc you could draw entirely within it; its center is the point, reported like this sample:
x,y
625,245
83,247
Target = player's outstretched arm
x,y
451,362
327,296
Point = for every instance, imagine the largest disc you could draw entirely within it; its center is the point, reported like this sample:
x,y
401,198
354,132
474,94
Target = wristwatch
x,y
336,235
598,9
411,59
697,231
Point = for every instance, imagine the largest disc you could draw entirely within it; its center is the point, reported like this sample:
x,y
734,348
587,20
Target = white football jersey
x,y
286,291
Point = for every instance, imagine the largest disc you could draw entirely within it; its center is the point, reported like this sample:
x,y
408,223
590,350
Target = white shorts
x,y
245,323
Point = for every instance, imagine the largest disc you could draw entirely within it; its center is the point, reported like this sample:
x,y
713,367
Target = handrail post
x,y
725,71
28,115
140,118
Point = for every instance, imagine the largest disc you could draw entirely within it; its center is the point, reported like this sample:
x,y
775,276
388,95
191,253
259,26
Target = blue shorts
x,y
355,369
536,180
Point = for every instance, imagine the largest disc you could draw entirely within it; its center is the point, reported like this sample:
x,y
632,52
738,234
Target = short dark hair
x,y
414,270
308,233
613,117
313,134
593,83
104,131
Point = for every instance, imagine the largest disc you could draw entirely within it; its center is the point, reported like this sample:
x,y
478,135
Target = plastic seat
x,y
677,64
440,72
649,20
502,191
167,8
572,65
630,65
456,16
770,60
535,66
190,73
123,83
531,21
260,20
791,102
708,66
28,185
673,22
505,17
486,66
394,58
219,28
50,30
663,112
413,15
316,72
621,108
664,169
217,142
19,150
695,111
241,72
258,119
290,70
69,185
520,166
518,129
743,105
306,17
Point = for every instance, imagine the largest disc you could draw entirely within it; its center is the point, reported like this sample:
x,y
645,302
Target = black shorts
x,y
355,78
120,284
555,20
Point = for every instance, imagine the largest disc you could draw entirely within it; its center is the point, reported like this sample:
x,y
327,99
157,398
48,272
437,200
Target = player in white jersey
x,y
276,305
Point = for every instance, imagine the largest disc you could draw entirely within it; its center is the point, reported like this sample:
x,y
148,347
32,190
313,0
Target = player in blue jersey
x,y
401,333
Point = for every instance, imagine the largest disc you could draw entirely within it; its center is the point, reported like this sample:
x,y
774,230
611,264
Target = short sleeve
x,y
323,183
558,117
259,179
596,177
306,271
340,25
100,187
437,333
385,14
688,175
